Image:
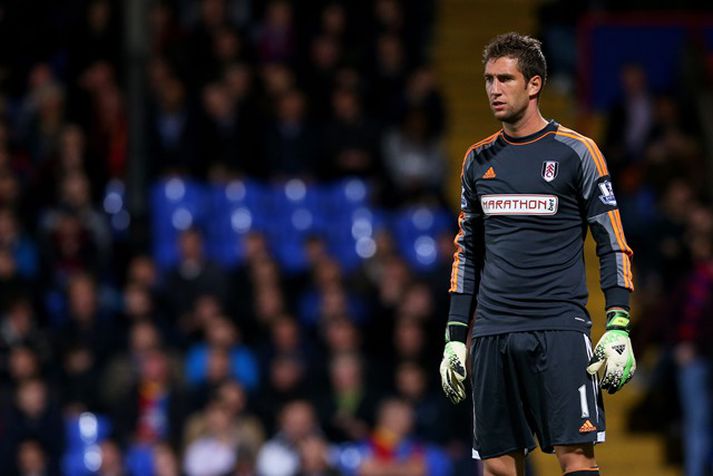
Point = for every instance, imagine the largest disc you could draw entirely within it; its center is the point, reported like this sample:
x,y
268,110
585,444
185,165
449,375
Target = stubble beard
x,y
512,117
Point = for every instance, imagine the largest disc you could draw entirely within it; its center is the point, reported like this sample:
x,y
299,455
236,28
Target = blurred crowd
x,y
114,364
655,148
655,143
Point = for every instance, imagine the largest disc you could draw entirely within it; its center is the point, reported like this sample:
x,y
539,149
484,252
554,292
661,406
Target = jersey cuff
x,y
617,297
460,310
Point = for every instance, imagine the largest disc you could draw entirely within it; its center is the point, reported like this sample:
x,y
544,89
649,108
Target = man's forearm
x,y
459,316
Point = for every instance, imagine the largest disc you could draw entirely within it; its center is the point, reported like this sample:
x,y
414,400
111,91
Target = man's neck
x,y
530,123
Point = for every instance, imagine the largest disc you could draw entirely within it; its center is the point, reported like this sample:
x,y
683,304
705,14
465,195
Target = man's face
x,y
508,91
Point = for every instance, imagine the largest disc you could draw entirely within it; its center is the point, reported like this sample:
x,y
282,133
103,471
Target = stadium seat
x,y
116,208
296,210
83,434
139,460
234,210
416,230
176,205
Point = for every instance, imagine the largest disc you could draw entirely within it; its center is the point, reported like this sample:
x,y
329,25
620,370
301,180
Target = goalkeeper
x,y
530,193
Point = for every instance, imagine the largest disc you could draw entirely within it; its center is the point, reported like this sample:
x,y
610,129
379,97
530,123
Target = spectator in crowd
x,y
112,463
78,378
415,162
119,373
325,56
20,327
246,429
23,364
173,131
315,458
45,116
348,405
165,462
193,276
138,305
215,451
286,338
32,459
77,220
276,35
280,455
630,121
431,416
222,350
351,138
19,244
693,332
239,82
192,325
290,140
389,447
153,410
85,323
32,415
220,136
287,381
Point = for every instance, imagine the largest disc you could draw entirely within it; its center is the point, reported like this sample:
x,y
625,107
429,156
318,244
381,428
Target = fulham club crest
x,y
549,170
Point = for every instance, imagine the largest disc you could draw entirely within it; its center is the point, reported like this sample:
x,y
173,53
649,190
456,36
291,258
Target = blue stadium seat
x,y
176,205
348,194
116,209
83,434
350,237
139,460
82,462
296,211
86,429
416,230
235,209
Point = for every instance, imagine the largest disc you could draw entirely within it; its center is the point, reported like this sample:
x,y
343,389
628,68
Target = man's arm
x,y
468,257
604,220
465,275
602,213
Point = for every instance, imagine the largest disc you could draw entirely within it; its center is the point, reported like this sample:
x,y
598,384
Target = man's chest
x,y
525,180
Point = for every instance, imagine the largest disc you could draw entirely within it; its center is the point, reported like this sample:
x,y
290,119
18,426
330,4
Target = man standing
x,y
528,193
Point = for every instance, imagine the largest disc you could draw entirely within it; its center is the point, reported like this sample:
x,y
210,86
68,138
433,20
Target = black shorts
x,y
527,383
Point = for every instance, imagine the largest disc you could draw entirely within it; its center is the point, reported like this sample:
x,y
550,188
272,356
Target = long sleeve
x,y
602,214
468,257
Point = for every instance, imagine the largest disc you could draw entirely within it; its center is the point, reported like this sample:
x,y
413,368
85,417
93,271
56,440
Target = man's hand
x,y
453,371
614,350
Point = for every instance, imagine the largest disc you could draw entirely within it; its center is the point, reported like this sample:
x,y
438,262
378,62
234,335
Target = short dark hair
x,y
525,49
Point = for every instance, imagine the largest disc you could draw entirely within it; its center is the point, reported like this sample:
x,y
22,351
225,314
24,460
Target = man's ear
x,y
534,86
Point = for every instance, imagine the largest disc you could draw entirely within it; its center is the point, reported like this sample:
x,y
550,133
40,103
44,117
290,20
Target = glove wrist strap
x,y
618,320
456,332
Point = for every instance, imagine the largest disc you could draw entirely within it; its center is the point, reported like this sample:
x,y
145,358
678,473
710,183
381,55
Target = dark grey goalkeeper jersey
x,y
526,204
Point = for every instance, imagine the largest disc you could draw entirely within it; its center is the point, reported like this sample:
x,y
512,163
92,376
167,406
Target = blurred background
x,y
226,228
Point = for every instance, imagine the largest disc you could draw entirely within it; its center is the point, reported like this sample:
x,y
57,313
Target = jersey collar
x,y
550,127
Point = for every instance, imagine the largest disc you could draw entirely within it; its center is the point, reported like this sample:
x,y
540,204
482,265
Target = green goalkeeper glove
x,y
614,349
453,371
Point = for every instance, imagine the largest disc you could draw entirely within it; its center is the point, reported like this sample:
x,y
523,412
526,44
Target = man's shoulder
x,y
574,139
483,144
477,148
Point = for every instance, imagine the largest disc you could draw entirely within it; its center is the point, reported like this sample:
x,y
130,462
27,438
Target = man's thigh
x,y
562,401
533,382
500,424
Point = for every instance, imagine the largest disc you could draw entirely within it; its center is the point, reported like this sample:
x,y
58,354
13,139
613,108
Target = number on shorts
x,y
583,401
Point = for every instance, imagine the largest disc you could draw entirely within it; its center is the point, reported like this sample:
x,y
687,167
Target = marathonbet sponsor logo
x,y
518,204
